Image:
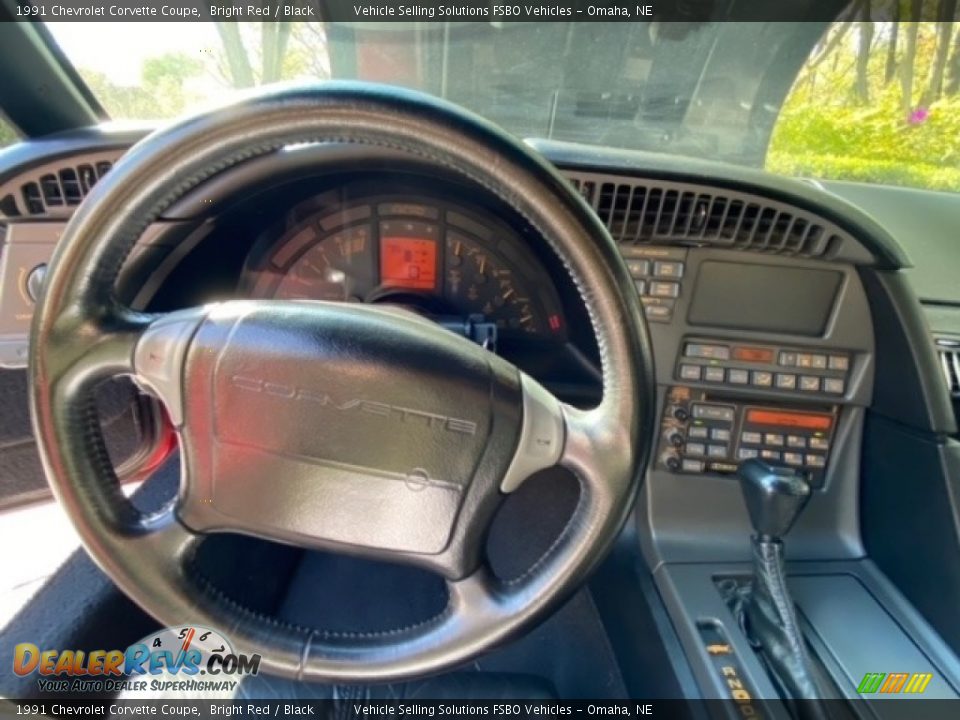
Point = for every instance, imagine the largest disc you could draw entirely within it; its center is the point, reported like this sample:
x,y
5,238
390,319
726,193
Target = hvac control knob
x,y
672,461
675,437
680,413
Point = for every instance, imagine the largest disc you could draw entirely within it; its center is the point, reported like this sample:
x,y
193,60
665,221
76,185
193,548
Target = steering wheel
x,y
349,428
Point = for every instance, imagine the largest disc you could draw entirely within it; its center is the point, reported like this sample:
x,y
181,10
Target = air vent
x,y
66,187
664,212
949,351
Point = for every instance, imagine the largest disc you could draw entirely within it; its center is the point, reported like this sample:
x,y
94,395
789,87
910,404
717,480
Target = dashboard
x,y
782,324
756,294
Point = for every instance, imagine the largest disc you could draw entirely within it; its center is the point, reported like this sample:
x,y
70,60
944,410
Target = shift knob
x,y
774,497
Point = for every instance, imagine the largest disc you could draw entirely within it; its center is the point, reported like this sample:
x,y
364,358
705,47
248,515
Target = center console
x,y
769,359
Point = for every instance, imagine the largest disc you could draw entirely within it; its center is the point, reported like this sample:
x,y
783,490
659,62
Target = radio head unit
x,y
702,432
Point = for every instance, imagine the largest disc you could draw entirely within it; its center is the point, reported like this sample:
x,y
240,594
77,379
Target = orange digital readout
x,y
408,263
789,419
752,354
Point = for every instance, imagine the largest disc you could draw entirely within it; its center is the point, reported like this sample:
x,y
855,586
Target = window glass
x,y
876,102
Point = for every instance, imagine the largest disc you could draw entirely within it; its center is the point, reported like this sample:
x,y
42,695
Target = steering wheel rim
x,y
82,334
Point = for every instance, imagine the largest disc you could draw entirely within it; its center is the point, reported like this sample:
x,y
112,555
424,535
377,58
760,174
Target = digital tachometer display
x,y
407,262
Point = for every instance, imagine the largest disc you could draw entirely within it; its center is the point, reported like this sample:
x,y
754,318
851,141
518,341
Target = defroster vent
x,y
637,212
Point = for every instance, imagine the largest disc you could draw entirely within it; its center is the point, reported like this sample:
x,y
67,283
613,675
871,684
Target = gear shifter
x,y
775,496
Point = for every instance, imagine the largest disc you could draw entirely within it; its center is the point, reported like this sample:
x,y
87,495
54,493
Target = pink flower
x,y
918,116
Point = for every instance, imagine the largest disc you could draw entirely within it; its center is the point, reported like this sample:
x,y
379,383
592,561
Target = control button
x,y
713,374
720,434
761,378
709,352
786,381
657,309
690,372
818,362
722,467
672,461
34,285
819,443
691,465
641,286
747,453
713,412
697,432
796,441
834,385
738,377
804,360
754,438
773,439
789,359
839,362
661,289
792,458
770,454
638,268
668,269
698,449
680,413
717,451
809,383
816,461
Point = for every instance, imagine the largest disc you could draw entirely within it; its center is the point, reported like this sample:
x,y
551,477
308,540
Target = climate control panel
x,y
799,371
703,432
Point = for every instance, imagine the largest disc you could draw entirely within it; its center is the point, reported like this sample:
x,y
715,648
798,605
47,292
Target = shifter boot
x,y
772,624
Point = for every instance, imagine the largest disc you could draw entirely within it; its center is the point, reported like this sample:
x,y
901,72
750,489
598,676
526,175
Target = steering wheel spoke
x,y
159,355
92,348
162,534
596,450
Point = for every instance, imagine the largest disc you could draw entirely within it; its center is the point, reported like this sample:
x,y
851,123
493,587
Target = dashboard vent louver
x,y
65,187
666,212
949,352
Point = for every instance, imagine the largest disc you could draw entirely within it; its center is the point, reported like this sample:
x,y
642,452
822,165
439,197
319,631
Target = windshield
x,y
810,99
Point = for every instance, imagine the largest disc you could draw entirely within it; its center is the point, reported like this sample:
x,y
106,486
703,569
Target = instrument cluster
x,y
454,264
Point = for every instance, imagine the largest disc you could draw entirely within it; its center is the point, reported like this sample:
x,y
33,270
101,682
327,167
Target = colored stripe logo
x,y
890,683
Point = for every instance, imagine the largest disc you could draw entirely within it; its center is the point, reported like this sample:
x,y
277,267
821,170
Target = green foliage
x,y
7,133
825,130
162,92
248,54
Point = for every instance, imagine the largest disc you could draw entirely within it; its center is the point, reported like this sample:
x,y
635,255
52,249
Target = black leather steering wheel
x,y
345,427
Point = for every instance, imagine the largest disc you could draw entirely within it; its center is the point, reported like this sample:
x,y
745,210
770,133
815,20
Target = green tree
x,y
7,134
945,12
161,93
861,86
825,131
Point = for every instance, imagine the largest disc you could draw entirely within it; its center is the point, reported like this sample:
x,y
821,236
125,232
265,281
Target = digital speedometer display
x,y
408,263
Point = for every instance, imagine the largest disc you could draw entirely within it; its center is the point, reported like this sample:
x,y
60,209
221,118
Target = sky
x,y
118,49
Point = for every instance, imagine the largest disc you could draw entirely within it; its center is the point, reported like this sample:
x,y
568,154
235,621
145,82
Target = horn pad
x,y
339,424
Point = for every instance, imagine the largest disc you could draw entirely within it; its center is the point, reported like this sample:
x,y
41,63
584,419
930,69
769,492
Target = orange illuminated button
x,y
408,263
789,419
753,354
